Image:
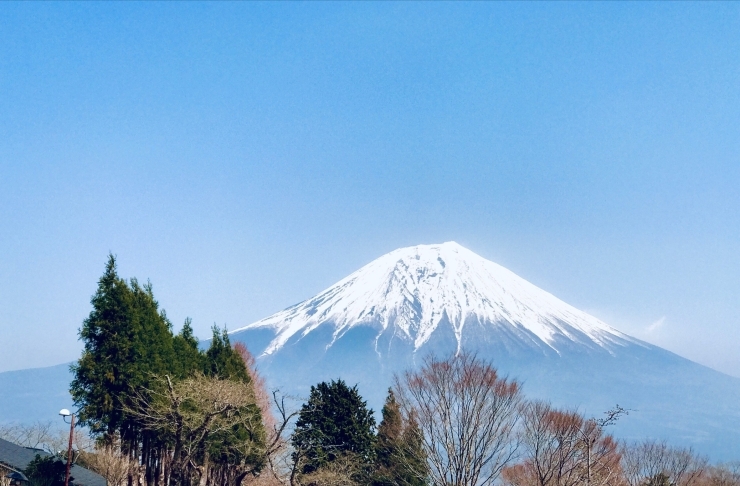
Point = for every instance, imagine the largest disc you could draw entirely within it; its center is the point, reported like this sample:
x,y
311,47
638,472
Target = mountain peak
x,y
416,289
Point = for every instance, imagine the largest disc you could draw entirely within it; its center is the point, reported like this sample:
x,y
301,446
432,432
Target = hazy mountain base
x,y
34,394
669,397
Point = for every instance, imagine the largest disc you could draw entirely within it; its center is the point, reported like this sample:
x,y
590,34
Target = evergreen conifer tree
x,y
188,357
400,460
153,351
221,359
104,371
222,362
415,468
127,342
334,421
389,432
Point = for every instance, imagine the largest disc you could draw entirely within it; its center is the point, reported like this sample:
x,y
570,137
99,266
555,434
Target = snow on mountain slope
x,y
417,288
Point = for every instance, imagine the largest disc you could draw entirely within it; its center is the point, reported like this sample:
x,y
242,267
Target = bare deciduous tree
x,y
727,474
467,415
564,449
261,395
278,452
47,436
647,459
339,472
37,435
107,460
193,412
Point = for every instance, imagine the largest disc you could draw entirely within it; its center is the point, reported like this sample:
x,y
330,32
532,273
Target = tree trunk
x,y
204,471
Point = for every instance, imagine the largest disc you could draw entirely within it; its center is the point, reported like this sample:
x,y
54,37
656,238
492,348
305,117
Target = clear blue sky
x,y
244,156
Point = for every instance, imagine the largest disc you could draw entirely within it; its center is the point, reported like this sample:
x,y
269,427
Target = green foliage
x,y
389,430
221,359
333,422
46,471
152,348
106,370
659,479
127,341
188,357
129,349
240,444
415,468
399,453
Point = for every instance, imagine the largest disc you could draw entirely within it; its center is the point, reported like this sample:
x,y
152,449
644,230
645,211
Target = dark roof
x,y
17,475
18,457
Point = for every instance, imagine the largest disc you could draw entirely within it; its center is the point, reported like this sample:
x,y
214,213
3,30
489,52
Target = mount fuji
x,y
444,299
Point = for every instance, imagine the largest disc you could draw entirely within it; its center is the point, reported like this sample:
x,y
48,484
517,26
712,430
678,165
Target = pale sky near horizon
x,y
245,156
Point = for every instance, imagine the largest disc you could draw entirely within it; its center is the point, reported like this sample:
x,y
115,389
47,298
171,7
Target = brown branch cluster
x,y
107,460
646,460
563,448
193,413
467,414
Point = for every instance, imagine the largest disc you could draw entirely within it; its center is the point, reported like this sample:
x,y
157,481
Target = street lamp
x,y
66,413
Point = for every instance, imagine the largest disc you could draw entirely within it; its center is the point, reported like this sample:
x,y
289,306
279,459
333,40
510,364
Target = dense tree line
x,y
186,416
456,422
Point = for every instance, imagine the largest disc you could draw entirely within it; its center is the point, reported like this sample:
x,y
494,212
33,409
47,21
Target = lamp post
x,y
66,413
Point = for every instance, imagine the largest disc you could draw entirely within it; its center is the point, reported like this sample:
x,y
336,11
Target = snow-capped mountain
x,y
385,317
415,290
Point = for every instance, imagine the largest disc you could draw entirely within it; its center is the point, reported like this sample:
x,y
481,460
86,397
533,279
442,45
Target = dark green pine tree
x,y
226,448
399,455
388,443
415,467
188,357
104,371
334,421
128,343
153,346
222,361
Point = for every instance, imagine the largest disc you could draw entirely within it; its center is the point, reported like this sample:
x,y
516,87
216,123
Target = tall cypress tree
x,y
334,421
153,356
388,444
188,357
105,369
127,341
415,470
153,346
222,361
400,460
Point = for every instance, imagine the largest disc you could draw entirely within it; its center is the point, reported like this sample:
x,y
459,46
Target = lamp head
x,y
65,413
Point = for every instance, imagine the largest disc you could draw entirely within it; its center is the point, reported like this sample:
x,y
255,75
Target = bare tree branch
x,y
467,415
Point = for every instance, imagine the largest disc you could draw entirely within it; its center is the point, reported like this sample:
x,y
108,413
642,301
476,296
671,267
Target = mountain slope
x,y
383,318
415,289
34,394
